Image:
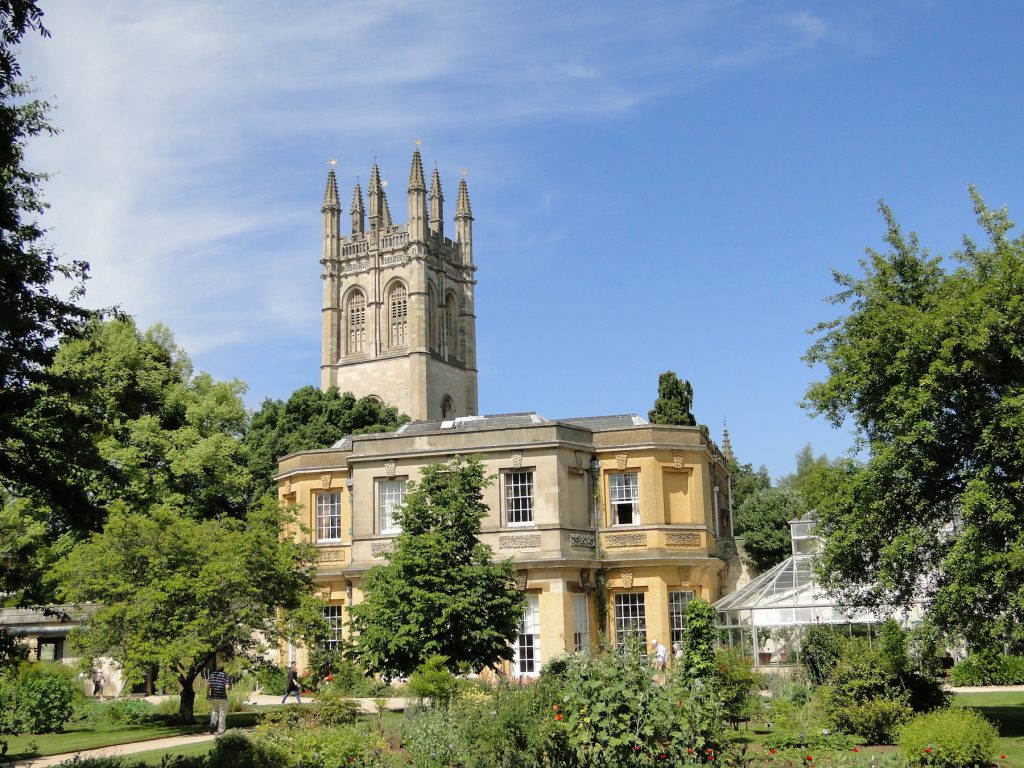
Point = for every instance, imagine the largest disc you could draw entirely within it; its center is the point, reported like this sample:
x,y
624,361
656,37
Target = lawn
x,y
1006,710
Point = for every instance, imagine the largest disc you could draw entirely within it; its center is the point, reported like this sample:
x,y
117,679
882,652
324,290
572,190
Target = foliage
x,y
433,740
331,711
175,591
821,647
928,649
735,683
310,418
877,720
948,738
350,679
114,711
271,679
810,739
763,522
328,747
746,480
675,399
41,698
439,593
615,713
988,668
699,640
928,366
33,315
432,680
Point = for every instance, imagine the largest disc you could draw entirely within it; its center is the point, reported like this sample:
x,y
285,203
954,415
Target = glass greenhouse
x,y
765,618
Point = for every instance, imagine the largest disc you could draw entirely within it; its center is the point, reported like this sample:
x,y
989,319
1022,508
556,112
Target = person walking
x,y
293,684
97,683
660,655
217,685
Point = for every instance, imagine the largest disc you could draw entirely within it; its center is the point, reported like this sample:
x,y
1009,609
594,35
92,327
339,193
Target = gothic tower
x,y
398,317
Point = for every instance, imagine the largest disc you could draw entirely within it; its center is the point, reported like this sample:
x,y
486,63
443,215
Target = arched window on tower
x,y
356,323
447,409
432,318
398,309
450,314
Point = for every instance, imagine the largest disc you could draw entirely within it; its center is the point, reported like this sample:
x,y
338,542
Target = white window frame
x,y
623,489
512,483
328,516
580,621
334,615
630,618
526,658
678,599
387,490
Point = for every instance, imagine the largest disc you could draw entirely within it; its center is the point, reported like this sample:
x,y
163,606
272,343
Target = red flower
x,y
636,749
809,759
556,707
855,749
711,757
559,717
663,756
689,750
772,751
928,750
1002,757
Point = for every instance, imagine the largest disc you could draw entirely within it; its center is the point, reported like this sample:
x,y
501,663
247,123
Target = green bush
x,y
338,747
948,738
272,680
820,649
876,721
433,740
236,750
45,695
810,739
988,668
332,710
433,681
115,711
735,683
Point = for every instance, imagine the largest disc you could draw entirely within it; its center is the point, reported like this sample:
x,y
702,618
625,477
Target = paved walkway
x,y
369,706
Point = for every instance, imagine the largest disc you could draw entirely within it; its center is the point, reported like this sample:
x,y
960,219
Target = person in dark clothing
x,y
293,684
217,690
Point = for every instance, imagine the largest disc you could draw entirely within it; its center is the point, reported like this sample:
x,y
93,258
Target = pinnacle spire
x,y
435,186
462,207
436,204
331,194
727,444
387,210
416,182
358,211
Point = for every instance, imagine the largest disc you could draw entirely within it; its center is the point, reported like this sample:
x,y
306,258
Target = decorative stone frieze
x,y
677,461
519,541
521,580
389,468
620,460
624,540
517,459
626,577
582,540
685,574
325,480
679,539
381,547
333,555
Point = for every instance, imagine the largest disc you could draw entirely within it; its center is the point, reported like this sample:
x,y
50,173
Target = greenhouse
x,y
766,617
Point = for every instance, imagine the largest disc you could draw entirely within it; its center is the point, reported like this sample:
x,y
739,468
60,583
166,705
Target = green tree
x,y
439,594
699,641
174,591
746,480
675,398
309,419
763,522
928,367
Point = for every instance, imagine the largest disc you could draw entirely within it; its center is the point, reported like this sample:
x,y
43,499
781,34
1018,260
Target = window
x,y
677,614
332,613
449,327
399,309
519,497
447,409
390,497
356,322
50,649
624,493
580,622
328,516
630,619
431,317
526,653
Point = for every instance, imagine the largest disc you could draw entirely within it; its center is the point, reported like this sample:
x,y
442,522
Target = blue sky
x,y
658,185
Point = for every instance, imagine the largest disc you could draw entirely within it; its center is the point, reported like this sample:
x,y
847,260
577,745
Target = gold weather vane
x,y
332,162
418,142
463,172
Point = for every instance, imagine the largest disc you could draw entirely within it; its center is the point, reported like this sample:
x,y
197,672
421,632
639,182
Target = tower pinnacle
x,y
358,211
417,200
436,204
726,444
331,193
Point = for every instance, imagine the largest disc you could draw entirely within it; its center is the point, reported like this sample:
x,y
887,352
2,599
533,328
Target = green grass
x,y
154,756
79,737
1006,710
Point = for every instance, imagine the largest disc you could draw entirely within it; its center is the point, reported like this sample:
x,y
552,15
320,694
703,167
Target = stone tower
x,y
398,317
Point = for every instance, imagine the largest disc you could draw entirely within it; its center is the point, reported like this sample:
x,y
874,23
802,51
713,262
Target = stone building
x,y
605,516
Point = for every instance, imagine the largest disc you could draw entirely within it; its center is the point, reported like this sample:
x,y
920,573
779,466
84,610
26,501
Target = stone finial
x,y
387,211
436,204
435,186
358,211
462,207
727,444
416,181
331,194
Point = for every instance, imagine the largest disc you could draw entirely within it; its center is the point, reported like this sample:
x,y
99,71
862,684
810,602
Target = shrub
x,y
332,710
433,740
735,681
115,711
236,750
271,679
699,639
810,739
820,649
988,668
876,721
346,745
954,737
45,694
433,681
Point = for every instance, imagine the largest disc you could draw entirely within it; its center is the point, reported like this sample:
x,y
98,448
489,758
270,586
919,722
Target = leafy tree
x,y
309,419
439,593
735,685
174,591
807,464
699,640
33,315
928,367
675,398
763,522
746,480
821,647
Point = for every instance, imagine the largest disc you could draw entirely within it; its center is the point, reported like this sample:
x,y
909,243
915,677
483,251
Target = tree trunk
x,y
188,700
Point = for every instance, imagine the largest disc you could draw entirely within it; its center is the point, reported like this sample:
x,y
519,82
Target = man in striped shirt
x,y
217,690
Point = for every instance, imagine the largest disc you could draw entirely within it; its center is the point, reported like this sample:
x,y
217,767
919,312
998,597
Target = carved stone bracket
x,y
626,577
381,547
582,540
585,579
517,459
685,575
620,460
677,539
523,541
389,468
623,540
325,480
677,461
521,580
288,485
